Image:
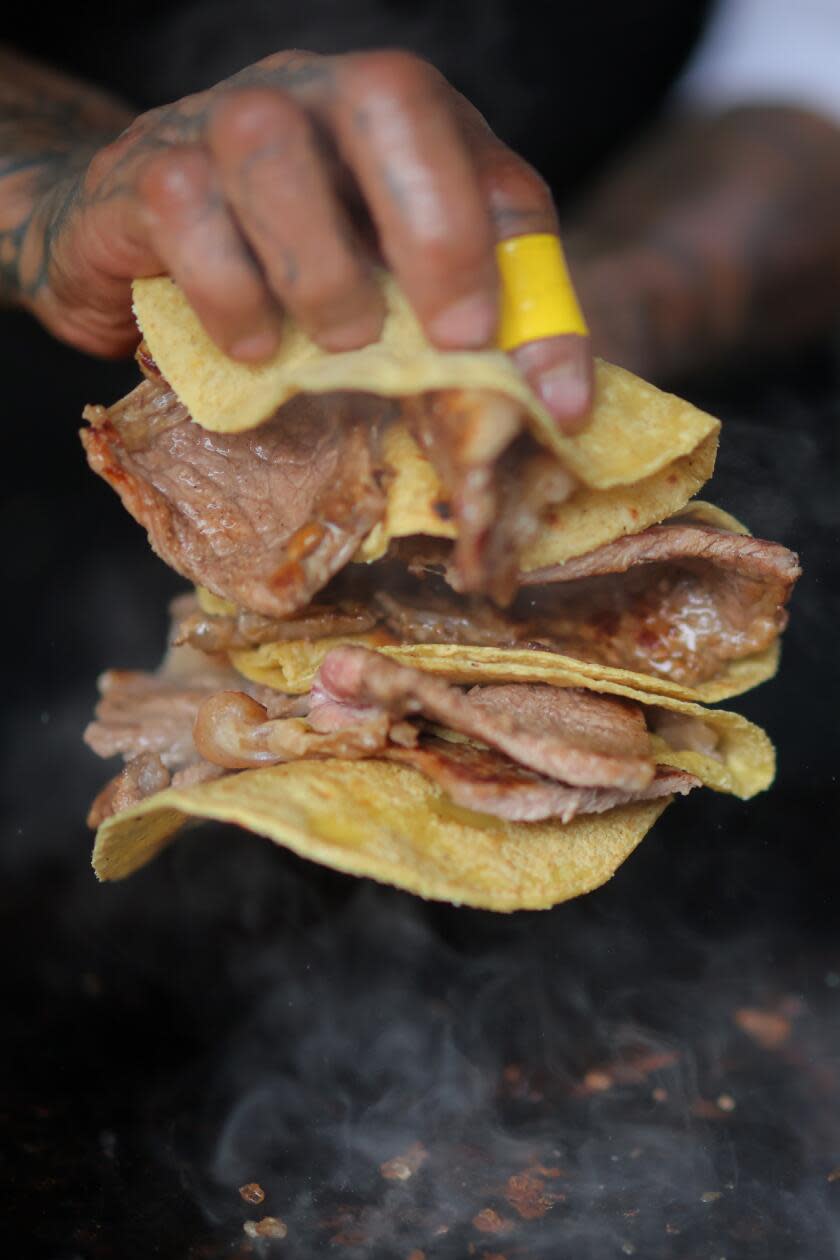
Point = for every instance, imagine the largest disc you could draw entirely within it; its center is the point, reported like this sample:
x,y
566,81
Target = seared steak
x,y
498,479
141,777
263,518
678,600
245,629
575,736
487,781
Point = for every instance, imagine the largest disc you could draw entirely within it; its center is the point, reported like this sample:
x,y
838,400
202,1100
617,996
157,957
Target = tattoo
x,y
49,130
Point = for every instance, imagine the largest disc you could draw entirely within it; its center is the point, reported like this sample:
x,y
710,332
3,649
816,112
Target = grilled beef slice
x,y
263,518
572,735
484,780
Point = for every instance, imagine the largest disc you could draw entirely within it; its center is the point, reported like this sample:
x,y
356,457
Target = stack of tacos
x,y
429,639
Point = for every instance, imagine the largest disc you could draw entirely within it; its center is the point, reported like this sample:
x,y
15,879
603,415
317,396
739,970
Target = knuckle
x,y
174,178
391,72
250,117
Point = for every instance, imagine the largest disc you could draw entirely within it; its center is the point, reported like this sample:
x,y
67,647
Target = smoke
x,y
401,1078
651,1071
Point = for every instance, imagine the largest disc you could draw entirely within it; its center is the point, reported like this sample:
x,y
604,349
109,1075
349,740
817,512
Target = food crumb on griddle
x,y
268,1227
528,1194
401,1167
252,1193
488,1221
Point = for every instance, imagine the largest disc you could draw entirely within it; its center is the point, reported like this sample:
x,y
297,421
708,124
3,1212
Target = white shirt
x,y
769,52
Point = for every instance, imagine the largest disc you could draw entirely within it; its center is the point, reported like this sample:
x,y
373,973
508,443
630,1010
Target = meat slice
x,y
679,600
246,629
440,617
498,478
262,518
575,736
148,720
486,781
140,713
233,730
676,600
680,541
142,777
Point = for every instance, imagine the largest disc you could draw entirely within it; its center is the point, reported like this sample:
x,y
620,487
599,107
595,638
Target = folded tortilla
x,y
644,454
291,665
390,823
589,518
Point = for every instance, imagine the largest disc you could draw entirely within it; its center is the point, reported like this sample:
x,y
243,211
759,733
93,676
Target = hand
x,y
278,189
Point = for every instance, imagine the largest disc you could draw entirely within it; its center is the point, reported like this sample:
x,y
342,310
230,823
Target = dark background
x,y
233,1014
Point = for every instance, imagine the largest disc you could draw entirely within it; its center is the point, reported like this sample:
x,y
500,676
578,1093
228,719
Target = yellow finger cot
x,y
538,299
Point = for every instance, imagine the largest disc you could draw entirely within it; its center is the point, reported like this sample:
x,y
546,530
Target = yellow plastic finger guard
x,y
537,295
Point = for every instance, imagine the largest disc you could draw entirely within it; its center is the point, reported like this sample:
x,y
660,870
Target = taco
x,y
529,619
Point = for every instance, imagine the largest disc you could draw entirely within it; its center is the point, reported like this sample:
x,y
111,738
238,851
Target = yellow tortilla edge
x,y
749,756
292,665
588,518
389,823
634,430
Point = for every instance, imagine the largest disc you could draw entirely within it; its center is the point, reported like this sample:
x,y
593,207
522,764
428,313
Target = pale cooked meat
x,y
498,479
144,776
677,600
146,713
754,557
141,777
262,518
246,629
148,720
579,738
489,782
234,731
139,712
200,772
441,617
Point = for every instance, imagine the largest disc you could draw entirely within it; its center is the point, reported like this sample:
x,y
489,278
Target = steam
x,y
410,1079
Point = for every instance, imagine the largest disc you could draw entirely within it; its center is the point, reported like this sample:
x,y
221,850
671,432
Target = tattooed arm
x,y
50,127
720,236
274,190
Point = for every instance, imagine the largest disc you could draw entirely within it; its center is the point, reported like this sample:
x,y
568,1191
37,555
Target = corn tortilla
x,y
291,667
635,429
390,823
748,762
588,518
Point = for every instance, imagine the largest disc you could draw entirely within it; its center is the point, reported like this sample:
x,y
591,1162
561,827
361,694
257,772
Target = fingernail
x,y
256,347
467,324
566,391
